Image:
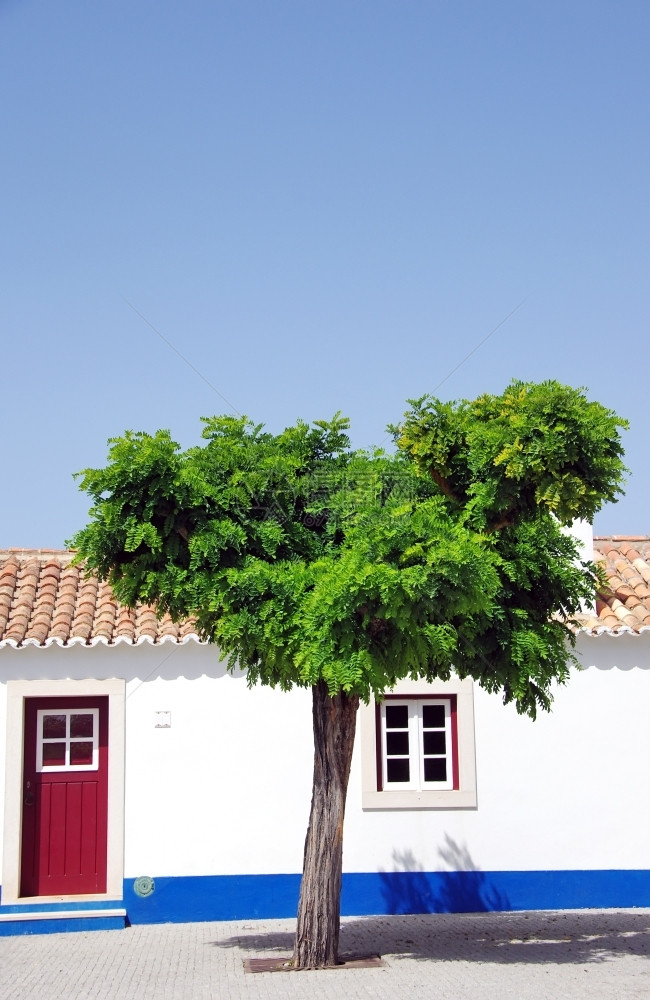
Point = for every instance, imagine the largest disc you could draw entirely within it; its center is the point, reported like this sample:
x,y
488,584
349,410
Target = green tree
x,y
312,564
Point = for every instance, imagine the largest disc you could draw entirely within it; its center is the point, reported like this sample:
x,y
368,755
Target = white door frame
x,y
17,692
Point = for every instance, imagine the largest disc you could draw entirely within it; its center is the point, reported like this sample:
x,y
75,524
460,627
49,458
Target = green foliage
x,y
305,560
536,445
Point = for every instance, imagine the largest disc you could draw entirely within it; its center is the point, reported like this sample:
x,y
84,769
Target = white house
x,y
143,783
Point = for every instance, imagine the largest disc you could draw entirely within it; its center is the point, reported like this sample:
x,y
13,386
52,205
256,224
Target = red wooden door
x,y
65,796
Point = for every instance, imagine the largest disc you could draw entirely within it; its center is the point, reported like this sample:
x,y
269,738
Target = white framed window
x,y
67,739
417,743
417,747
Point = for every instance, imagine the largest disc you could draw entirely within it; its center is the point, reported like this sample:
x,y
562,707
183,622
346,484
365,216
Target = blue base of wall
x,y
254,897
58,918
62,925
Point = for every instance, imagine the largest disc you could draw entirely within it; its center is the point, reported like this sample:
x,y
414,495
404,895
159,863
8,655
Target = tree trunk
x,y
319,909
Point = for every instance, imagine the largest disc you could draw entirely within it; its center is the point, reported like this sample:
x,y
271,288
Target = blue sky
x,y
322,206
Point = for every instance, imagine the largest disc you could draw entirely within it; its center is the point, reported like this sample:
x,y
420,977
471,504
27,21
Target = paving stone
x,y
600,955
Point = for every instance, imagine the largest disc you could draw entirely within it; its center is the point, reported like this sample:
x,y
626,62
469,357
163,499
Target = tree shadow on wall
x,y
462,889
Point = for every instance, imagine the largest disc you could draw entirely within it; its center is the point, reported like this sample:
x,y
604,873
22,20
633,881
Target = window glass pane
x,y
435,742
53,726
53,754
81,725
397,716
397,743
81,753
435,769
397,769
433,716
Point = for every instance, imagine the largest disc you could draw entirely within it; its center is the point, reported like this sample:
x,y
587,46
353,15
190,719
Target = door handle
x,y
29,795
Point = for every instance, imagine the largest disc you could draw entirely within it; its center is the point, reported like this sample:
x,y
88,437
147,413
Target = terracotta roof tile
x,y
44,599
625,603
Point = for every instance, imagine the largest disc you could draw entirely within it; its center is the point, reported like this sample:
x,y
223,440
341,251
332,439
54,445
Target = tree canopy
x,y
308,561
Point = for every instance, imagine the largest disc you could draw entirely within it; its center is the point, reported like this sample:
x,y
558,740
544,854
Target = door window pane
x,y
80,753
54,727
53,754
81,724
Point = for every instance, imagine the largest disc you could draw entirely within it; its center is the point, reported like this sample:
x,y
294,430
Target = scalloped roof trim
x,y
606,630
146,640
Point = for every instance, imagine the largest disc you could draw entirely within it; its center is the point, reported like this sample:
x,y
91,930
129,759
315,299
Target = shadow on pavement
x,y
576,937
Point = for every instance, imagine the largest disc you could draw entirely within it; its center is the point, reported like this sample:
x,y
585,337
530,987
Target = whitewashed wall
x,y
226,789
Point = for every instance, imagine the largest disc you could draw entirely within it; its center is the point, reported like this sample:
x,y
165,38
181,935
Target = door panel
x,y
65,796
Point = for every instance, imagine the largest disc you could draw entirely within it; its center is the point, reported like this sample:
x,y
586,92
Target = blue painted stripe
x,y
255,897
214,897
477,892
250,897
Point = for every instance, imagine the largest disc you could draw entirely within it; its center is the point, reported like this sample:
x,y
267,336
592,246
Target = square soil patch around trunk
x,y
282,963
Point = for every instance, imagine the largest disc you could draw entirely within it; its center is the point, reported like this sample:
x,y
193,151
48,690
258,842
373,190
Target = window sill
x,y
456,799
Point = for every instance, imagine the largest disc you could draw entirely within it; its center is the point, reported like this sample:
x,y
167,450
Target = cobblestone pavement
x,y
594,954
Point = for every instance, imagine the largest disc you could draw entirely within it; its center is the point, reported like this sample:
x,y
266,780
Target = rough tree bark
x,y
319,908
